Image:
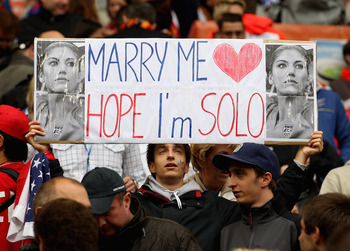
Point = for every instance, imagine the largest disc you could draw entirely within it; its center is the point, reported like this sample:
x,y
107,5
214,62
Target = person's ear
x,y
270,78
187,167
266,179
127,200
41,76
37,209
317,237
152,167
1,140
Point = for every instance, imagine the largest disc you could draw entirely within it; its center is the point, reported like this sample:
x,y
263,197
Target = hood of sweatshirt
x,y
156,187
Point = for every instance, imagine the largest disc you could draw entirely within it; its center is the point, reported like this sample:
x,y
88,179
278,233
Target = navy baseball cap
x,y
252,154
102,184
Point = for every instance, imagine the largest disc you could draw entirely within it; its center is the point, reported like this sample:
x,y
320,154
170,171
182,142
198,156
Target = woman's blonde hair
x,y
199,153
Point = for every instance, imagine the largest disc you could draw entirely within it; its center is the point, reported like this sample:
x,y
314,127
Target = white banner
x,y
178,91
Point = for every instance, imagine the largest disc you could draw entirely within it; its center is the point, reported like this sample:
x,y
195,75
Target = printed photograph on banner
x,y
290,91
59,89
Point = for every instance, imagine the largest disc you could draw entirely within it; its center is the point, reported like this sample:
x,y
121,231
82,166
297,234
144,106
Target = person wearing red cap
x,y
14,128
13,151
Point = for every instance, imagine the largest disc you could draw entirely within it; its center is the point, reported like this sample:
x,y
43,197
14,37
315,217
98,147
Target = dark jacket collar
x,y
47,15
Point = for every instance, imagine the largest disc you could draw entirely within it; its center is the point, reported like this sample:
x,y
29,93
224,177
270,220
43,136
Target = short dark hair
x,y
141,10
326,212
339,240
260,172
229,17
65,224
15,149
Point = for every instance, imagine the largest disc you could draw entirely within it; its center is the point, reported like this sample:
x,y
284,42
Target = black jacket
x,y
69,24
149,233
270,227
205,214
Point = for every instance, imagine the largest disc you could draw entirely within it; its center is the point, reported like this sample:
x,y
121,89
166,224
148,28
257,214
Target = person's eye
x,y
70,64
282,65
179,151
299,66
53,63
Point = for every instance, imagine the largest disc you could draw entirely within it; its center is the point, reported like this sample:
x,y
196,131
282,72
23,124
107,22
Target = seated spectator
x,y
166,195
321,216
230,26
14,137
123,221
208,176
65,224
254,171
139,21
342,85
9,27
17,75
255,26
114,7
59,187
55,16
306,11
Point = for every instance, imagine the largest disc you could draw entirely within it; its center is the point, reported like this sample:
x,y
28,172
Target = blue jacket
x,y
333,121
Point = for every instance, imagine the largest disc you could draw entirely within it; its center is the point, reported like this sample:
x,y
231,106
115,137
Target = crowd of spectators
x,y
114,194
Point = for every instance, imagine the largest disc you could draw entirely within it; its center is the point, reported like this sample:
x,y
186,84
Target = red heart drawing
x,y
237,66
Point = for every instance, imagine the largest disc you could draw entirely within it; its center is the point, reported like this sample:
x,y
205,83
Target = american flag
x,y
39,173
22,220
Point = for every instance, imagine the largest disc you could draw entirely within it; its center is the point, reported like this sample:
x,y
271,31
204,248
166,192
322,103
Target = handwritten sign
x,y
190,91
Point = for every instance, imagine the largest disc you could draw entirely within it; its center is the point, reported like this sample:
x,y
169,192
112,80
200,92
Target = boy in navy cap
x,y
265,222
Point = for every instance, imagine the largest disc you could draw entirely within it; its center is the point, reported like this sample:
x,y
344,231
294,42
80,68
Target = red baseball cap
x,y
13,122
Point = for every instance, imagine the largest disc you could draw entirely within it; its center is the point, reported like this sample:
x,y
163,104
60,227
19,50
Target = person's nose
x,y
62,68
291,70
234,35
101,220
171,155
232,182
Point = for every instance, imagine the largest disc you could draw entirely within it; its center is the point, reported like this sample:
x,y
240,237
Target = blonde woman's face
x,y
60,71
289,73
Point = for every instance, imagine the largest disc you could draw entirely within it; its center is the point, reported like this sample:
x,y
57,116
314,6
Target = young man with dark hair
x,y
65,224
230,26
254,171
321,216
123,222
166,195
59,187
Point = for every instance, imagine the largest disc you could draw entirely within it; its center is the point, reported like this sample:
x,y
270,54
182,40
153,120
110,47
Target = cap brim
x,y
101,205
223,162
